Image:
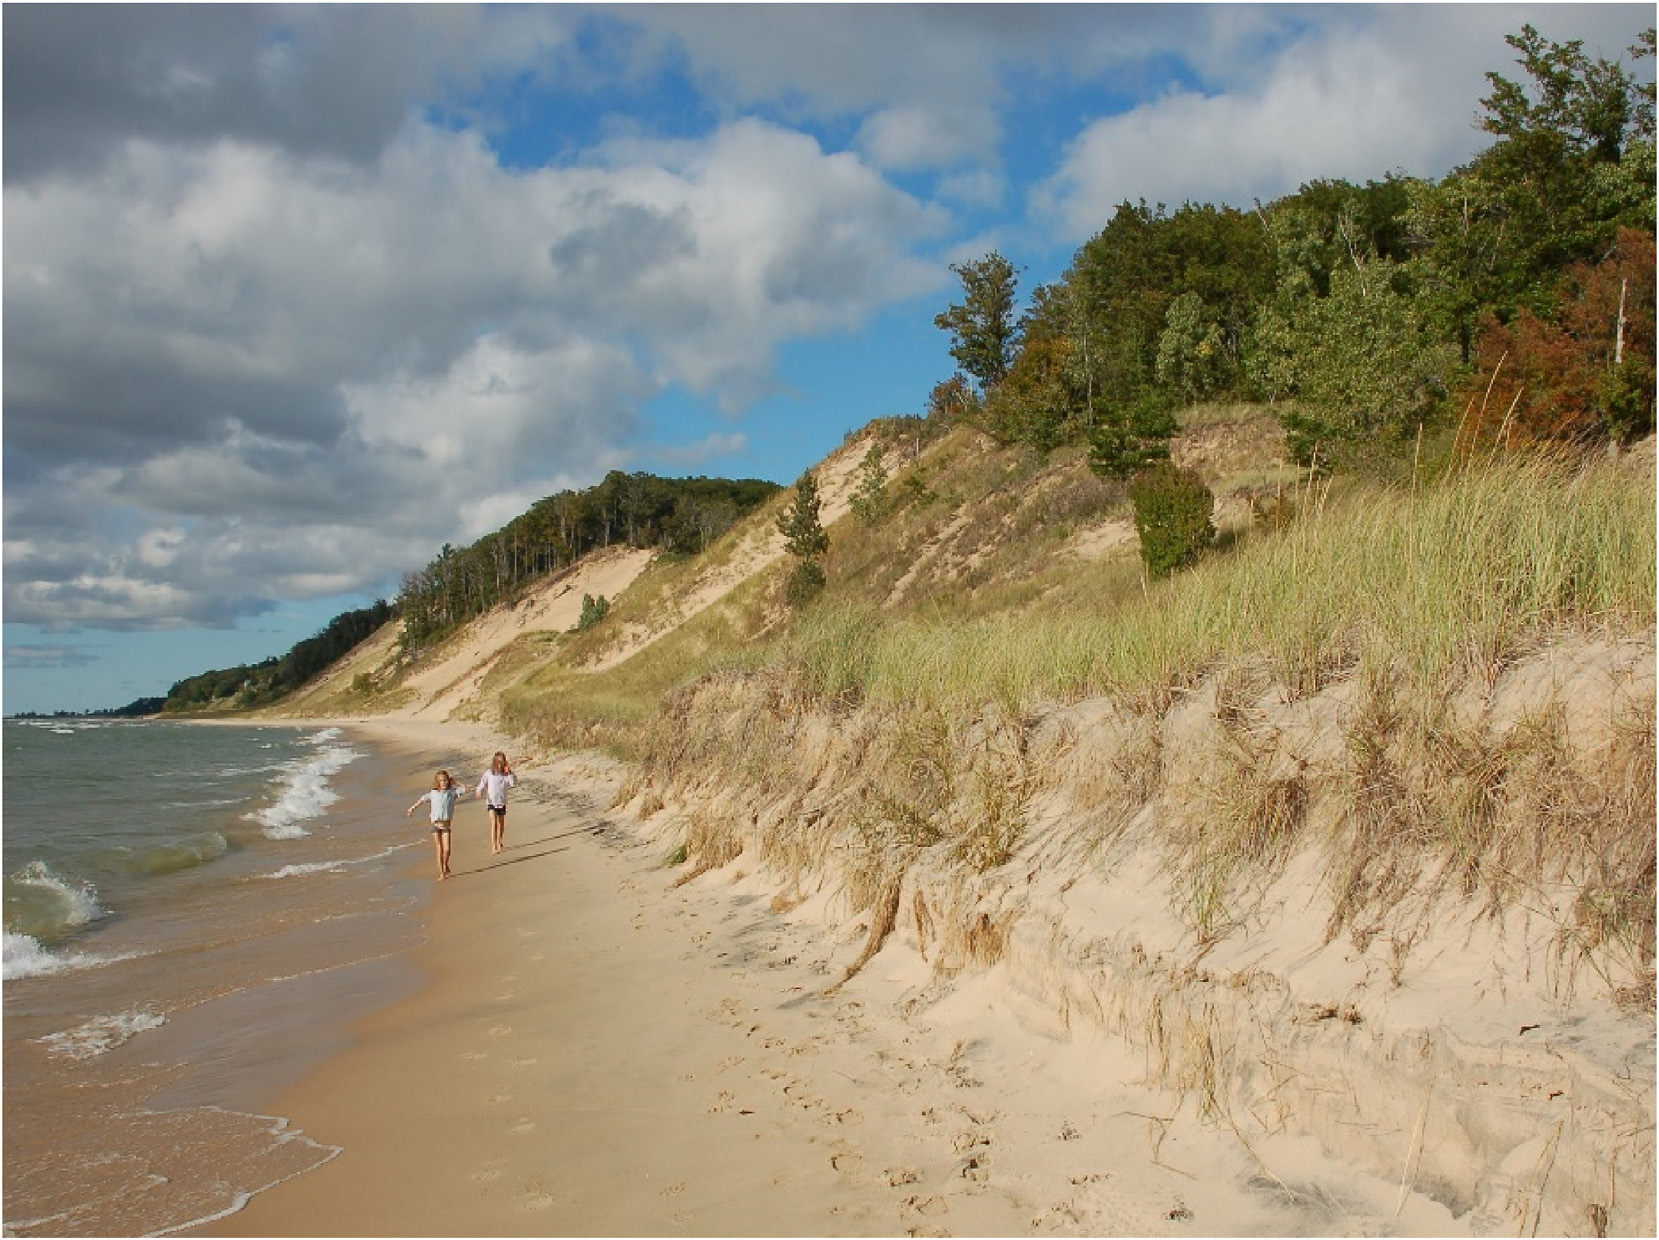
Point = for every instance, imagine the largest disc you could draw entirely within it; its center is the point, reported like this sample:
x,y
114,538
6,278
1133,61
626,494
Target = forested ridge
x,y
674,515
1514,297
259,684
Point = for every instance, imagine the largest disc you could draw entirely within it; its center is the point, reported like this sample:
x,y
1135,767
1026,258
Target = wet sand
x,y
603,1051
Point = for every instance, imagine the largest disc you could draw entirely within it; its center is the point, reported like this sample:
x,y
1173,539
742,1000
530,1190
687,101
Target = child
x,y
493,787
444,792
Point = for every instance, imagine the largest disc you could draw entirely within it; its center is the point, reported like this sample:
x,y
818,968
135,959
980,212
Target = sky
x,y
296,295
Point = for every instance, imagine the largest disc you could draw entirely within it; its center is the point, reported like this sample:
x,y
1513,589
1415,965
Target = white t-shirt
x,y
493,788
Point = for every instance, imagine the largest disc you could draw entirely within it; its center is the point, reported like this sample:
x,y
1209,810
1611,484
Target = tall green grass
x,y
1437,581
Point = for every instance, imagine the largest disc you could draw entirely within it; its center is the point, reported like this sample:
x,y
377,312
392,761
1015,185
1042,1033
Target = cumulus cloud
x,y
265,359
1359,94
334,80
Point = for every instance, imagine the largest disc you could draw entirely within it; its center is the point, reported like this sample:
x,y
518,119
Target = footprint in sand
x,y
800,1093
523,1127
496,1100
535,1201
730,1061
897,1177
474,1055
522,1063
848,1162
672,1190
970,1140
850,1118
501,1031
486,1175
925,1205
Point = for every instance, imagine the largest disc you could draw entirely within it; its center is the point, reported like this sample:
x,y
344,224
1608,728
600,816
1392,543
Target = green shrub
x,y
593,611
1172,517
805,583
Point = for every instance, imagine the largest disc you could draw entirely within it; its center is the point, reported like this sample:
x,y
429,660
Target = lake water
x,y
193,916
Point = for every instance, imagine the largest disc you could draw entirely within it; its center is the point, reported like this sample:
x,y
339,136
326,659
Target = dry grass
x,y
1404,592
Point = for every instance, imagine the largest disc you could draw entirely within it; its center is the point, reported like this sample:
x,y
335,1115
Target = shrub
x,y
804,583
593,611
1172,517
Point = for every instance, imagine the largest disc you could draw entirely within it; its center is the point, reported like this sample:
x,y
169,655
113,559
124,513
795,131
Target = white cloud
x,y
915,136
1361,92
290,374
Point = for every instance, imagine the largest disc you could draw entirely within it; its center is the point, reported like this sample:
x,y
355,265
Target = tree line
x,y
260,684
1515,296
674,515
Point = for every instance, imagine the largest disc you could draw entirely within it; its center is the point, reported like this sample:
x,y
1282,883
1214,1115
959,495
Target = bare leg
x,y
498,831
439,838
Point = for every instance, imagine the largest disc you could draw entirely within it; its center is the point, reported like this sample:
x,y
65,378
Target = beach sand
x,y
603,1050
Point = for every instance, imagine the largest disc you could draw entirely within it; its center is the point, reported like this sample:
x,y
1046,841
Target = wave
x,y
176,855
314,867
42,903
24,956
102,1034
334,867
305,791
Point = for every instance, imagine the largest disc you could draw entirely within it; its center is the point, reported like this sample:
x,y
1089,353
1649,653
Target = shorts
x,y
439,826
499,809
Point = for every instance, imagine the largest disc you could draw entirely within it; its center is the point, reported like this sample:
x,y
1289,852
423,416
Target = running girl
x,y
493,788
443,796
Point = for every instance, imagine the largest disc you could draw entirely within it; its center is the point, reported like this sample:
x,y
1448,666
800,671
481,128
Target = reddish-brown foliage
x,y
1555,381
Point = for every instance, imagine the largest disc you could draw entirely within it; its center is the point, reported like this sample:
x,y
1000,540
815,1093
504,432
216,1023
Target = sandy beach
x,y
604,1049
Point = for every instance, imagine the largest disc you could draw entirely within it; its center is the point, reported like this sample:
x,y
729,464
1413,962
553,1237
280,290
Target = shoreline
x,y
602,1049
138,1069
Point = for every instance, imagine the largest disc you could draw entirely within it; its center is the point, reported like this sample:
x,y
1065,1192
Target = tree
x,y
806,540
1128,438
869,501
1588,376
1193,362
983,329
1353,363
1573,163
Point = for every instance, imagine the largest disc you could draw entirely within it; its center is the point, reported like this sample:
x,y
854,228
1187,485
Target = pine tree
x,y
806,540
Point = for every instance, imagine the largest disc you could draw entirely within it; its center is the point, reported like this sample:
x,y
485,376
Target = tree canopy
x,y
1361,311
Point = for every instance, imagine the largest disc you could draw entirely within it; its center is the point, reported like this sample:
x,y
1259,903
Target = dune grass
x,y
1439,581
1407,591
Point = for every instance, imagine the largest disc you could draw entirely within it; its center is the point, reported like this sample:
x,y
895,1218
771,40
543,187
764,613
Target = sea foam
x,y
102,1034
305,791
23,956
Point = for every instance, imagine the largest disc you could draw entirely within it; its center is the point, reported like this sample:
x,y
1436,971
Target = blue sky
x,y
293,296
